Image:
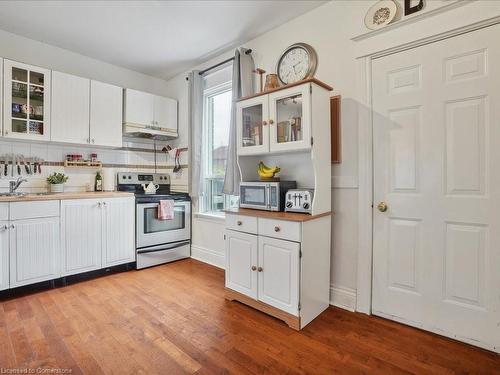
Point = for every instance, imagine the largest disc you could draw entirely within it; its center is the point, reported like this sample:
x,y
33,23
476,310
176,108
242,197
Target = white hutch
x,y
279,262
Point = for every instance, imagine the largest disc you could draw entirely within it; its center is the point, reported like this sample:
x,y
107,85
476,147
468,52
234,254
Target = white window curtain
x,y
242,85
196,86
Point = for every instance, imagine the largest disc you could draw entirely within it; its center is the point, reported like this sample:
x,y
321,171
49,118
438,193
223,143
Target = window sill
x,y
215,217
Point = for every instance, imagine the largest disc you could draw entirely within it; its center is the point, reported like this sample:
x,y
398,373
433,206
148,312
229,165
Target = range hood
x,y
149,132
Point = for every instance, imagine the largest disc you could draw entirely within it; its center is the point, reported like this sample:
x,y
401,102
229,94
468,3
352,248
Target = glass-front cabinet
x,y
26,101
275,122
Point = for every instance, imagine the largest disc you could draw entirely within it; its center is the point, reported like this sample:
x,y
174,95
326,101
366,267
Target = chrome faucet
x,y
14,184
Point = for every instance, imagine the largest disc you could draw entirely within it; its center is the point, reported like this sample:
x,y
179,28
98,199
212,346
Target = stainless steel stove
x,y
158,241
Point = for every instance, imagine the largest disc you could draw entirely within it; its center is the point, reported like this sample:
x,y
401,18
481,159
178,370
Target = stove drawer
x,y
163,254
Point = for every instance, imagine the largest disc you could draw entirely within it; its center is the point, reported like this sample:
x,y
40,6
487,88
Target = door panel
x,y
241,256
118,229
106,114
252,121
70,108
81,235
279,278
139,107
436,140
4,255
34,251
165,113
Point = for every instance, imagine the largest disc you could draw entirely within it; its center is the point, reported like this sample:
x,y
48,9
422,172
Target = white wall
x,y
330,29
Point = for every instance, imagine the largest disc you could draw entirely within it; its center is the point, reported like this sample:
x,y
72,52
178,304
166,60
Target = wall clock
x,y
297,62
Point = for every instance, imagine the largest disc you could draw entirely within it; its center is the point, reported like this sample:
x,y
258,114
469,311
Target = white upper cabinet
x,y
106,103
165,113
139,107
277,122
70,108
26,101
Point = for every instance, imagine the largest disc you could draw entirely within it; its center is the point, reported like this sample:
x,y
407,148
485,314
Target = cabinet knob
x,y
254,268
271,121
5,227
264,123
93,140
239,223
12,226
277,229
260,269
99,204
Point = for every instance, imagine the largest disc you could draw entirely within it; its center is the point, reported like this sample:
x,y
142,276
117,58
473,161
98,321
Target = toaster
x,y
299,200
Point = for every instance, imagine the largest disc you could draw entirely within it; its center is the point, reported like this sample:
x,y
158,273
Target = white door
x,y
4,255
278,272
290,119
26,99
436,145
139,107
81,237
165,113
118,231
252,122
34,251
241,263
70,108
106,113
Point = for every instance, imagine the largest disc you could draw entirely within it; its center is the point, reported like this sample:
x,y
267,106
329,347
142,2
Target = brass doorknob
x,y
382,206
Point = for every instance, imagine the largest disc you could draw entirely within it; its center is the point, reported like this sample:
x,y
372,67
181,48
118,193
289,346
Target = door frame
x,y
365,155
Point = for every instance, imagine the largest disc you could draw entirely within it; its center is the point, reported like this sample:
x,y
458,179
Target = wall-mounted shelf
x,y
82,164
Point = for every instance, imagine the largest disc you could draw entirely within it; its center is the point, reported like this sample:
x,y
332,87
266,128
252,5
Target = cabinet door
x,y
279,274
118,231
139,107
81,237
241,256
4,255
290,118
106,103
165,113
34,251
26,101
252,123
70,108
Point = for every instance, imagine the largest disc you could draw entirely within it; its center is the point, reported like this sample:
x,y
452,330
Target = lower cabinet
x,y
34,250
263,268
97,233
4,255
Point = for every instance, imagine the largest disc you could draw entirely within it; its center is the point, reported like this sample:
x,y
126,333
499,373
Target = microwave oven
x,y
263,195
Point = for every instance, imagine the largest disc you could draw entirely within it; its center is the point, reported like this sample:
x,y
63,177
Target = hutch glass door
x,y
253,126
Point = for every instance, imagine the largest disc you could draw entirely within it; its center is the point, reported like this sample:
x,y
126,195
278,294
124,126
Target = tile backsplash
x,y
130,158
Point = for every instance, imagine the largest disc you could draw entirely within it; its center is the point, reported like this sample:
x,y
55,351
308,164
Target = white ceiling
x,y
158,38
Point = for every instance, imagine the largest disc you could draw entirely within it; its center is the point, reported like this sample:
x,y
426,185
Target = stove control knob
x,y
123,177
306,206
289,204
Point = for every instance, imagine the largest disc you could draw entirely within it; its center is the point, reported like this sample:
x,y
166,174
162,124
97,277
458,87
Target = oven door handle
x,y
173,246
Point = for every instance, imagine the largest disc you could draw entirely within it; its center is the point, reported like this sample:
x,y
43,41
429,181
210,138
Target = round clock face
x,y
297,63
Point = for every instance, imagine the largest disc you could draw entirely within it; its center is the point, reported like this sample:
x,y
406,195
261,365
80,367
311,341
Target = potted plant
x,y
56,182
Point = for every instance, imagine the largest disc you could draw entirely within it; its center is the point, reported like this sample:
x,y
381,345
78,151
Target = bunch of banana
x,y
266,172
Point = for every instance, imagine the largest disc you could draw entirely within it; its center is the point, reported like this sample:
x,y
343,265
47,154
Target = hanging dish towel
x,y
166,210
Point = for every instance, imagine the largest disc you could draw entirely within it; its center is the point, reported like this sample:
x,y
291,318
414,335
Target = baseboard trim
x,y
342,297
207,256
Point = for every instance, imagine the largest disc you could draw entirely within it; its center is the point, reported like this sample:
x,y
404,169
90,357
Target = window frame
x,y
207,156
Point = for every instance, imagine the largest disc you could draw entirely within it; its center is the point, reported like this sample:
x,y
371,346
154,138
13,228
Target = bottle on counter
x,y
98,182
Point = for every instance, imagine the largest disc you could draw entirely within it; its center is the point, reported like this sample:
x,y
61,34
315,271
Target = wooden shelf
x,y
312,80
82,164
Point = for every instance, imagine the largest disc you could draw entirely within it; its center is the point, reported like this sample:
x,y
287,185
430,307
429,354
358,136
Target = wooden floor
x,y
173,319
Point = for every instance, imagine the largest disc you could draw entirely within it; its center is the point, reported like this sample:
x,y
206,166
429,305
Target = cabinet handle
x,y
254,268
277,229
271,121
99,204
104,204
93,140
260,269
12,226
239,223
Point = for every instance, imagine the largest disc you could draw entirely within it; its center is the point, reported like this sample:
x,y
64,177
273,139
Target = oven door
x,y
152,232
254,195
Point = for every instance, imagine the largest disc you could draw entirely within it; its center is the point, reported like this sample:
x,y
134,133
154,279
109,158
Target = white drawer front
x,y
4,211
287,230
33,209
241,223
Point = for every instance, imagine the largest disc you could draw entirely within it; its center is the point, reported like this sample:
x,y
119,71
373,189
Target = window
x,y
216,120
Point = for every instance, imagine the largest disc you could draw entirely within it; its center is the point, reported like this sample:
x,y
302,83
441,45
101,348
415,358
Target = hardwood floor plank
x,y
173,319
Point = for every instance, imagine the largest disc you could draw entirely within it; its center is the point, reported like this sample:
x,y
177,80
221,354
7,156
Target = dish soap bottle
x,y
98,182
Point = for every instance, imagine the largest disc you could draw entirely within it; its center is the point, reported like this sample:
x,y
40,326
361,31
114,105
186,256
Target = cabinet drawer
x,y
241,223
287,230
31,210
4,211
